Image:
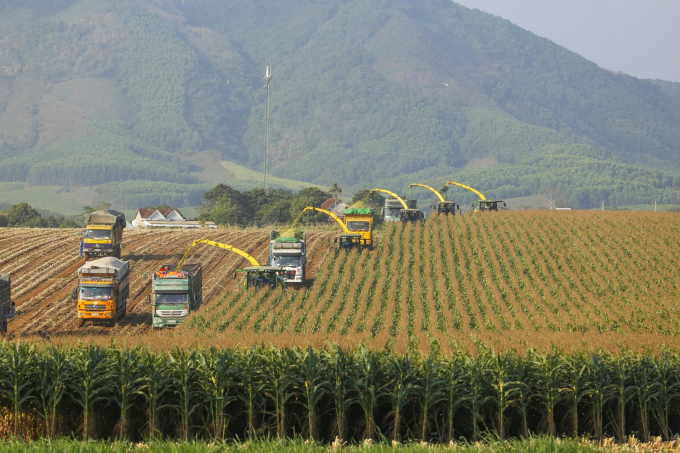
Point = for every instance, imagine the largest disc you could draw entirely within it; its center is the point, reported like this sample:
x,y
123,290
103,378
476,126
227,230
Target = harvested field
x,y
577,280
44,265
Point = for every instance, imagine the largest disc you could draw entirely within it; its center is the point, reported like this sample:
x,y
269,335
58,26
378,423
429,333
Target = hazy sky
x,y
638,37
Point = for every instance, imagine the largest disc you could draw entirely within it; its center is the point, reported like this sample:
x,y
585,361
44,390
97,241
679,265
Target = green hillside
x,y
126,99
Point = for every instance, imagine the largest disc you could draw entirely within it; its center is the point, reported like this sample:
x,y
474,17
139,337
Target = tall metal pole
x,y
267,79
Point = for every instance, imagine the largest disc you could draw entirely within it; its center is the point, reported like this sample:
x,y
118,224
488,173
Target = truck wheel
x,y
112,322
117,254
82,322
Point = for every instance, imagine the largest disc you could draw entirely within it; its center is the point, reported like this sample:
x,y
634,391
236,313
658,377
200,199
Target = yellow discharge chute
x,y
436,192
330,214
481,195
403,203
229,248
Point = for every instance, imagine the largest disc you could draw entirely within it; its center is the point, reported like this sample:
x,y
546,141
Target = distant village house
x,y
336,206
165,218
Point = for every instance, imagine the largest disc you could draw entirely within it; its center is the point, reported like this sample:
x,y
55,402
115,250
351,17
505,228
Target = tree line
x,y
23,215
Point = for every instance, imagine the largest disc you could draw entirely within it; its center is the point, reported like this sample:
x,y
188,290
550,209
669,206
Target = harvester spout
x,y
403,203
436,192
330,214
229,248
481,195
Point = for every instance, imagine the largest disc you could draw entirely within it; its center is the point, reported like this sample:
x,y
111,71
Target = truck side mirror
x,y
74,293
382,211
148,298
234,276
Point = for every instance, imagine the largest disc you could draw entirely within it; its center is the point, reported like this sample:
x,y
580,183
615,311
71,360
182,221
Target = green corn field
x,y
523,279
93,392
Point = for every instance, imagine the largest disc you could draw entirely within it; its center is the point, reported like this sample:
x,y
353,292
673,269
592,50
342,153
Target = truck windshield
x,y
94,293
171,299
286,260
358,226
98,234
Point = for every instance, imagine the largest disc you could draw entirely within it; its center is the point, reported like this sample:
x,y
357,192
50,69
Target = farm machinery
x,y
357,228
103,234
256,276
409,210
5,291
176,292
444,206
103,290
482,204
289,254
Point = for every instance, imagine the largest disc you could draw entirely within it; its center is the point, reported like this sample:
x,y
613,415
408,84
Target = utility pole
x,y
267,79
603,205
654,205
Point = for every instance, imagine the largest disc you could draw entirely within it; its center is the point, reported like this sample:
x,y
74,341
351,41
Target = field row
x,y
520,279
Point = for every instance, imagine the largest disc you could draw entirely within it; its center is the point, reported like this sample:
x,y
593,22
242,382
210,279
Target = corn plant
x,y
157,389
623,390
503,388
183,369
128,384
669,392
431,392
54,374
17,382
93,382
312,385
341,377
401,387
575,386
217,370
549,386
369,387
252,387
646,392
279,365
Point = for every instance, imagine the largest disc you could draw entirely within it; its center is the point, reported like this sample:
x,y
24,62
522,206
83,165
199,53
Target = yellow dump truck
x,y
357,228
103,234
360,221
103,290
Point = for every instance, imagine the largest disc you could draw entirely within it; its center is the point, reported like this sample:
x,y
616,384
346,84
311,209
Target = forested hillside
x,y
141,102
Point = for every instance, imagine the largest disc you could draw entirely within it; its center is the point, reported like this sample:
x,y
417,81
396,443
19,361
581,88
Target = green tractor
x,y
264,277
488,205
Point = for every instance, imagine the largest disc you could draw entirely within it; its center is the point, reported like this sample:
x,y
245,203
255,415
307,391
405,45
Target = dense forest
x,y
119,96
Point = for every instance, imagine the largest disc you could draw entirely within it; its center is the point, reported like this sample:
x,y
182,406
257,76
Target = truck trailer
x,y
175,294
289,254
103,234
103,290
5,294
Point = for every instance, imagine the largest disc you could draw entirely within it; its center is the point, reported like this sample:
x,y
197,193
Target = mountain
x,y
138,102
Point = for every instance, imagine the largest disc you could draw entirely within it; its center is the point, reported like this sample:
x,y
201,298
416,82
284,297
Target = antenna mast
x,y
267,79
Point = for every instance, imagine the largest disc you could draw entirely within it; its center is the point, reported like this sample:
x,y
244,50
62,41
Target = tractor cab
x,y
411,215
263,277
488,205
445,207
